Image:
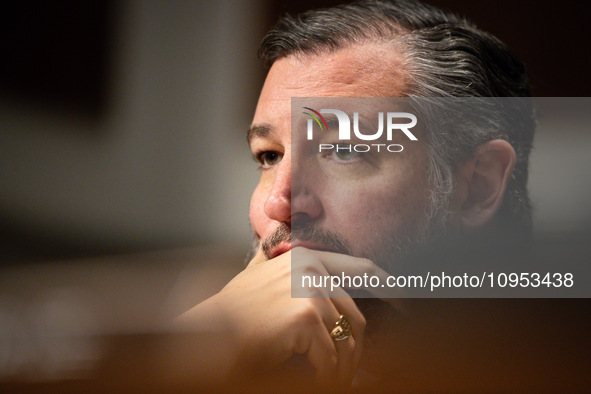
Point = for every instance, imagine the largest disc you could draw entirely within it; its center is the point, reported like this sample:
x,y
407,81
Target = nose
x,y
285,203
278,203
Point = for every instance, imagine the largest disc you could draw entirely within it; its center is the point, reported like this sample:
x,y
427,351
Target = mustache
x,y
306,233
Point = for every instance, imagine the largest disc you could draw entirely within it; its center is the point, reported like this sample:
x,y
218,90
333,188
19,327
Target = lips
x,y
286,246
282,247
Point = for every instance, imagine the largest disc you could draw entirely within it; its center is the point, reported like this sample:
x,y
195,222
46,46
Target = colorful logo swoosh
x,y
315,116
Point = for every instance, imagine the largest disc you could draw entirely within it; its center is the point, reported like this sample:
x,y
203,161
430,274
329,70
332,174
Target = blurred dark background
x,y
57,53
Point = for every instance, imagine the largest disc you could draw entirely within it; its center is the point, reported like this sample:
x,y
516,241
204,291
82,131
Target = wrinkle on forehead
x,y
364,70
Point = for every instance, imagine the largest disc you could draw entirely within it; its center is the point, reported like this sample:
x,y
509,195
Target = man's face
x,y
341,203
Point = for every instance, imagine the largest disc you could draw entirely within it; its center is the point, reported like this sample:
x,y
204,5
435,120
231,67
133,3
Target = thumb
x,y
258,258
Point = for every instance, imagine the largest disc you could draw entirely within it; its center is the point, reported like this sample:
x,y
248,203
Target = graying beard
x,y
435,224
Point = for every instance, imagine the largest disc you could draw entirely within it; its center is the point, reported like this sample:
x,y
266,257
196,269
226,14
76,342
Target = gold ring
x,y
342,329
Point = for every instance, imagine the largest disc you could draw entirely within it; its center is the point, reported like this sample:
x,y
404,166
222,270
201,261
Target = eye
x,y
344,152
269,158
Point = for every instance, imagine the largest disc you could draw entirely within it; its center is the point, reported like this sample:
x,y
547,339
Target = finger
x,y
339,264
347,307
258,258
330,314
312,339
349,350
333,360
324,357
344,348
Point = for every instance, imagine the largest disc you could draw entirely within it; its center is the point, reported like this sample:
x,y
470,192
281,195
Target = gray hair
x,y
444,56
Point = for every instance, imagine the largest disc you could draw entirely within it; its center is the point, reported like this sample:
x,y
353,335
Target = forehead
x,y
368,70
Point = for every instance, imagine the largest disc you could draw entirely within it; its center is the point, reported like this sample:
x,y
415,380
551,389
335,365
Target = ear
x,y
485,177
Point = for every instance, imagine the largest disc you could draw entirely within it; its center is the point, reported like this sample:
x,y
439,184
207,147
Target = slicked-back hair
x,y
444,55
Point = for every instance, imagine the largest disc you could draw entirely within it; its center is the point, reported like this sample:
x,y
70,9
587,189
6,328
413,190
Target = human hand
x,y
266,326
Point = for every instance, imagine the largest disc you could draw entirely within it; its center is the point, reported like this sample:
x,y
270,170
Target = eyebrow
x,y
258,131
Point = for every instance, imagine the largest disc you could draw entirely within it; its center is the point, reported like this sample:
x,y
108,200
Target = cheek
x,y
372,209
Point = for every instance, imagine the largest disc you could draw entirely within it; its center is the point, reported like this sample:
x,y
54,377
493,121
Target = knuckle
x,y
350,344
307,315
368,266
316,293
333,357
311,270
300,251
305,257
365,264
